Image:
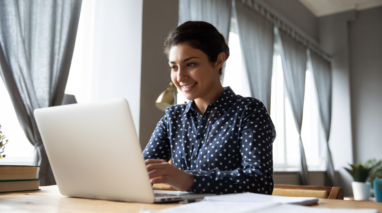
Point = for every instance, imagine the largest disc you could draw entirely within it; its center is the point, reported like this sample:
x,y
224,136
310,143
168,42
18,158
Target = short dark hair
x,y
199,35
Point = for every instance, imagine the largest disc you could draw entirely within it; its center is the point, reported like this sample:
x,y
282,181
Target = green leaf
x,y
361,172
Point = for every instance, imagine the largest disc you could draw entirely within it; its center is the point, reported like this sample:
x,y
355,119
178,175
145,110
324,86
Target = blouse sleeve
x,y
255,174
159,144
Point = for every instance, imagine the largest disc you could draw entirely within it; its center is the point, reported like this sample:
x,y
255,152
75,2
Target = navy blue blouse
x,y
228,149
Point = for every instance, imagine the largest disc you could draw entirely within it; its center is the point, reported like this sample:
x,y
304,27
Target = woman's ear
x,y
220,60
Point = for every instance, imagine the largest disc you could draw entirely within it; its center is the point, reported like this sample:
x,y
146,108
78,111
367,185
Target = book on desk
x,y
15,178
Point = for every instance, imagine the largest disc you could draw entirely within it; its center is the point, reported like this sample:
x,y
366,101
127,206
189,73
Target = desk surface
x,y
49,199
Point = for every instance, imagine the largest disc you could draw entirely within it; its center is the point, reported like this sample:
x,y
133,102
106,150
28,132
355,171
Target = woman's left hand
x,y
160,171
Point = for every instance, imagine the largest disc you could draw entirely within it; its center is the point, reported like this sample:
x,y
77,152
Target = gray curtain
x,y
323,78
216,12
256,40
294,61
36,46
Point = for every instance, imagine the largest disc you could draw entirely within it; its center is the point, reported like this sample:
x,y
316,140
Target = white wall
x,y
366,83
117,53
354,39
334,39
159,18
295,14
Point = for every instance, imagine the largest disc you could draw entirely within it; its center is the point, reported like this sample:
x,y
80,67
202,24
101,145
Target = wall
x,y
159,18
128,56
334,39
117,53
295,14
366,83
354,39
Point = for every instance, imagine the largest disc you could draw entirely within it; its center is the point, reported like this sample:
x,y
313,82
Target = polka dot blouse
x,y
228,149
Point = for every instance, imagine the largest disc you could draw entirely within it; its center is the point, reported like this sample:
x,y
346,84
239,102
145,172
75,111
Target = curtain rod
x,y
282,25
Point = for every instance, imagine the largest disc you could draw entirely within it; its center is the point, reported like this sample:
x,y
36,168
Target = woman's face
x,y
192,72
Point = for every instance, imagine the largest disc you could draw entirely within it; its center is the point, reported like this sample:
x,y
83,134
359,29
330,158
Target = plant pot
x,y
361,190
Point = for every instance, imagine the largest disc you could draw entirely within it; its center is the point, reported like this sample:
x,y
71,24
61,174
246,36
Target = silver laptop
x,y
95,153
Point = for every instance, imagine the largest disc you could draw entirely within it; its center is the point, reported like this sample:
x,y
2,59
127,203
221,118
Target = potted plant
x,y
360,173
3,141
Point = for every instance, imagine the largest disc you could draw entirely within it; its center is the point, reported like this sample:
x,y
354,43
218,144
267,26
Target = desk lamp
x,y
166,98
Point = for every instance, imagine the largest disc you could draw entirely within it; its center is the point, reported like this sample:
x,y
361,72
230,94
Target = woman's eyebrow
x,y
184,60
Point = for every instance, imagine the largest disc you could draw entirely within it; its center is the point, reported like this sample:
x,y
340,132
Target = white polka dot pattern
x,y
227,150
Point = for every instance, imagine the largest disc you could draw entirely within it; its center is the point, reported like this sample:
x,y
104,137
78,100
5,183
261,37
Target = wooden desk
x,y
49,199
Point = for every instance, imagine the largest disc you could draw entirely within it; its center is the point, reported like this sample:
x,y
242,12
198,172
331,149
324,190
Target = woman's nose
x,y
182,75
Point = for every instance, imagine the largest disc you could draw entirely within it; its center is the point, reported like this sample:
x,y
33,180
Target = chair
x,y
323,192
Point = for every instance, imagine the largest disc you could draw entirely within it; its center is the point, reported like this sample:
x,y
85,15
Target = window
x,y
235,75
286,152
80,75
286,146
312,129
19,151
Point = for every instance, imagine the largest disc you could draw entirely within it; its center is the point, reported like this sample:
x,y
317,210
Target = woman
x,y
219,142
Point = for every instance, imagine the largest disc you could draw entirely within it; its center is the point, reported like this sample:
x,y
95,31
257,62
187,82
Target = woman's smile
x,y
188,87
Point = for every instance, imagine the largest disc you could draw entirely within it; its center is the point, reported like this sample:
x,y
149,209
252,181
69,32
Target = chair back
x,y
323,192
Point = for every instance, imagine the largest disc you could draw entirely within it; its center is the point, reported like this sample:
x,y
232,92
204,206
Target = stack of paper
x,y
251,202
261,198
229,207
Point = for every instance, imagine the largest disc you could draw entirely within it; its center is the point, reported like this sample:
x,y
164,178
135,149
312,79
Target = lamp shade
x,y
166,98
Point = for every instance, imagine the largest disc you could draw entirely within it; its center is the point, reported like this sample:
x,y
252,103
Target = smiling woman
x,y
219,142
194,75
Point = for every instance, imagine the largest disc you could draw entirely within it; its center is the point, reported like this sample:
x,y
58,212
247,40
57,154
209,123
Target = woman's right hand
x,y
160,171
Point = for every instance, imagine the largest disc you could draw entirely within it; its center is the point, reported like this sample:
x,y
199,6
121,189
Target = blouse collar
x,y
222,103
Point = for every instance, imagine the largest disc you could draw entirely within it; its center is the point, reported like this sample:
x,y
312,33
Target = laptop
x,y
95,153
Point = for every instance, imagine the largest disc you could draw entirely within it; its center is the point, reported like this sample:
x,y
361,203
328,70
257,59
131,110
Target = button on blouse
x,y
228,149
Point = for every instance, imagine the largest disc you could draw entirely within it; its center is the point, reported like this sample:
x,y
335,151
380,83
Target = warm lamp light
x,y
166,98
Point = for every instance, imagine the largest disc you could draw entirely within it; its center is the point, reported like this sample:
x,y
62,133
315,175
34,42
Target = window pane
x,y
235,74
312,126
277,112
19,151
286,154
79,80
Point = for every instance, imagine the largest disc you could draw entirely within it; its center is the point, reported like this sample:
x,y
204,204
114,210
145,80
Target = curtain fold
x,y
257,41
36,46
323,78
294,60
216,12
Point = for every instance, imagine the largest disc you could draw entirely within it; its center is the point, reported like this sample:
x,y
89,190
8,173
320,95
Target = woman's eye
x,y
173,67
190,64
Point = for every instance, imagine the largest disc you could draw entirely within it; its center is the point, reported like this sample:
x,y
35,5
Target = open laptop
x,y
95,153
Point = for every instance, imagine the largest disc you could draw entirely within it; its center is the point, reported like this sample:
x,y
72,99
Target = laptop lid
x,y
94,151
